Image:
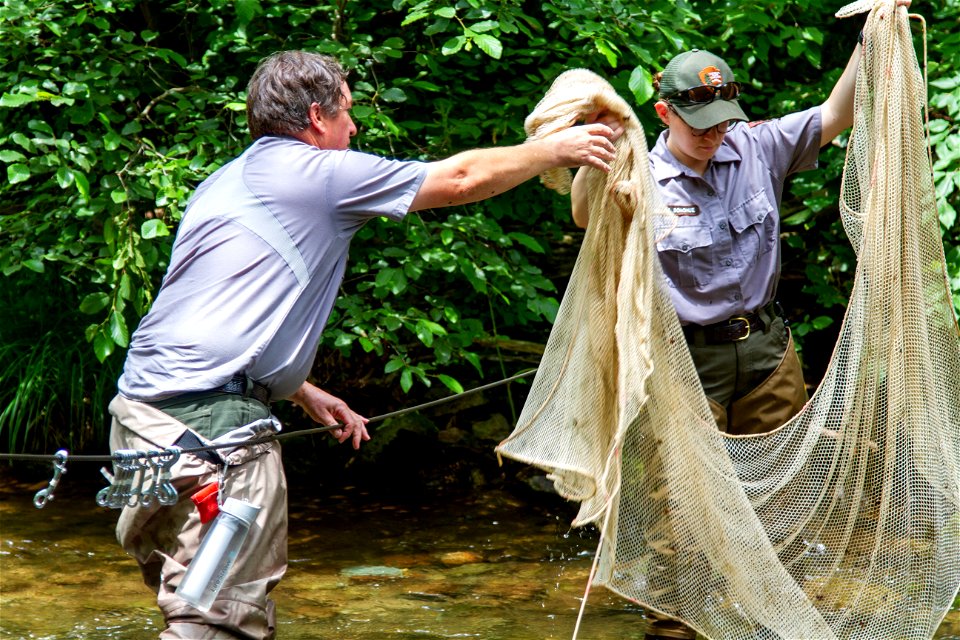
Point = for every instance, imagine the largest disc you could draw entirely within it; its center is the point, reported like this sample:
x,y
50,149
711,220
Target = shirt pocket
x,y
686,252
757,231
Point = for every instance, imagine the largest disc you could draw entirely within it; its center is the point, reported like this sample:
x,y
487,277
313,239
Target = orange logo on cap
x,y
711,75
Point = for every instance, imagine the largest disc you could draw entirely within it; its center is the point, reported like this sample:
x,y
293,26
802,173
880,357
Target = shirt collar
x,y
669,167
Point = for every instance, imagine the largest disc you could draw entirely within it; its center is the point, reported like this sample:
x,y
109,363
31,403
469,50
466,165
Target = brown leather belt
x,y
730,330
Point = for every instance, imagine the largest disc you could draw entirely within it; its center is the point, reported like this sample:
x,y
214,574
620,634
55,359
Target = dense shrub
x,y
112,111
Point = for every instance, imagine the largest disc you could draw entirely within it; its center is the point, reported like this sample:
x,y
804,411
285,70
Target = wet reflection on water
x,y
487,565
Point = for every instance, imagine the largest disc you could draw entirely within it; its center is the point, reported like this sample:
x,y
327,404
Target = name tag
x,y
684,209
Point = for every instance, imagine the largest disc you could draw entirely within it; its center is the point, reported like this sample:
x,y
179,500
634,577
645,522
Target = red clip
x,y
206,501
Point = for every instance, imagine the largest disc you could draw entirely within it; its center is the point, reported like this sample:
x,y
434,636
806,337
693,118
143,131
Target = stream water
x,y
488,565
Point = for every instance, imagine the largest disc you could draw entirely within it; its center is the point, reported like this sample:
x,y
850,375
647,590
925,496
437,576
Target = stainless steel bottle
x,y
217,553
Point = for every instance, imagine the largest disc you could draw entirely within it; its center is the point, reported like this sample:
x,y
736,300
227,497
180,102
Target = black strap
x,y
240,385
189,440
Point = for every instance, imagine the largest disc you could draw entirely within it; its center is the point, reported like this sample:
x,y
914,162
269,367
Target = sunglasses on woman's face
x,y
722,127
706,93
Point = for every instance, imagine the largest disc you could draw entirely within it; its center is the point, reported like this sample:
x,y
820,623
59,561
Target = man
x,y
254,273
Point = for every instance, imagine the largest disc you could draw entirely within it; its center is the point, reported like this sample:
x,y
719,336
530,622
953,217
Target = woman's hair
x,y
284,86
656,81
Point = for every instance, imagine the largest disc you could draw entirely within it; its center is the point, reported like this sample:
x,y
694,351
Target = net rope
x,y
842,523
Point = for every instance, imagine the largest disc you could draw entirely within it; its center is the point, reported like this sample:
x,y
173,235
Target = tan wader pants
x,y
163,540
754,385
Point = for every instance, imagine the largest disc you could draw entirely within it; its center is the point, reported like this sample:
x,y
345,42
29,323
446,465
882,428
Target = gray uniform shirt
x,y
256,266
720,248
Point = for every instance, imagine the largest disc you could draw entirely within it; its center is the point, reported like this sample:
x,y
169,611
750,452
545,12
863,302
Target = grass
x,y
53,390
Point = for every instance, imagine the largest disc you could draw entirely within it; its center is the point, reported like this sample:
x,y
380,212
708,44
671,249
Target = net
x,y
842,523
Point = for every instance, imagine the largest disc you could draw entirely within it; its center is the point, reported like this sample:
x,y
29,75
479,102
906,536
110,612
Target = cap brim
x,y
704,116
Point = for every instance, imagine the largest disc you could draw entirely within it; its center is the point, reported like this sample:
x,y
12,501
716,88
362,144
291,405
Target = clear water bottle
x,y
218,551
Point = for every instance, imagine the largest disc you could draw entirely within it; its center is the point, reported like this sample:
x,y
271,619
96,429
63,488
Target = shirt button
x,y
723,226
736,296
727,262
759,217
685,247
711,193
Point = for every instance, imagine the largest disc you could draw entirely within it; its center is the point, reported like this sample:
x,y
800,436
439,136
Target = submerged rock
x,y
373,571
457,558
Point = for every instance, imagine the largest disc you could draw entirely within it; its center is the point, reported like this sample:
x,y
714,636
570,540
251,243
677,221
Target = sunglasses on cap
x,y
706,93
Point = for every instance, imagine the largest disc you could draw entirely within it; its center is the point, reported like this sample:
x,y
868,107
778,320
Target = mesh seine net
x,y
842,523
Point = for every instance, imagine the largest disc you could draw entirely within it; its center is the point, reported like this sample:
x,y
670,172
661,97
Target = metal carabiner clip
x,y
166,493
44,496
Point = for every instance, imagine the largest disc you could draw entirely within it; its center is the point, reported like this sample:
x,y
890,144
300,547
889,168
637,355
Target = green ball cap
x,y
693,69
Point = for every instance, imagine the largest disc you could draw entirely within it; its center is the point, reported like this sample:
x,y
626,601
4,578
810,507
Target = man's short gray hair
x,y
284,86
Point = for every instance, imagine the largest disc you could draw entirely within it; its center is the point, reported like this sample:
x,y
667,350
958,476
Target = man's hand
x,y
328,410
583,145
612,120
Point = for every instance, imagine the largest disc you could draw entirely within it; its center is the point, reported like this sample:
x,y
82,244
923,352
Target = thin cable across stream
x,y
42,457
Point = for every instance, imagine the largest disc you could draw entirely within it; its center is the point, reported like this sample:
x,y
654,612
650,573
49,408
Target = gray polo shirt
x,y
720,245
256,266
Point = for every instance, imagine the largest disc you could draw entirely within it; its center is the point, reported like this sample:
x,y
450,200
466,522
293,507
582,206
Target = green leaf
x,y
125,288
484,26
14,100
33,264
445,12
94,303
247,10
796,47
9,155
394,364
607,51
413,17
64,177
489,45
344,339
527,241
453,45
394,94
118,195
406,380
102,346
154,228
393,279
83,185
18,173
946,84
475,275
473,359
822,322
641,84
118,329
451,383
112,141
426,330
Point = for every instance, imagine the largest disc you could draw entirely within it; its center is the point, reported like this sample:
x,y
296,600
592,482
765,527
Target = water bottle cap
x,y
240,509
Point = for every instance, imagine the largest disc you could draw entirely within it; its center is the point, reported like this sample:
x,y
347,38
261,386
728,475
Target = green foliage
x,y
112,111
53,386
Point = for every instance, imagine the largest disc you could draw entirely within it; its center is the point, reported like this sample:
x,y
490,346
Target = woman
x,y
722,180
